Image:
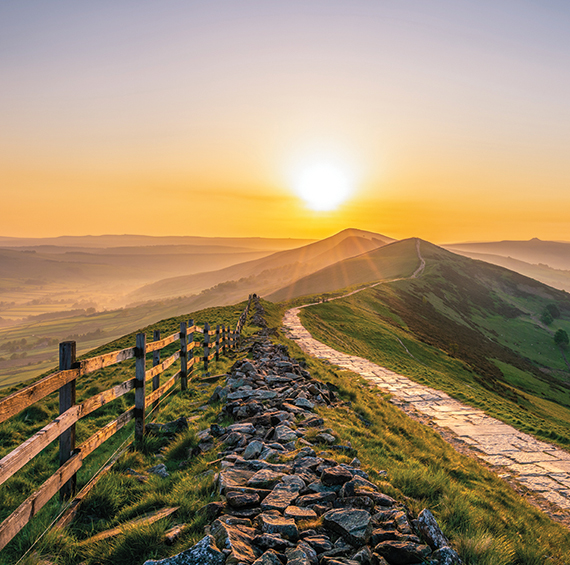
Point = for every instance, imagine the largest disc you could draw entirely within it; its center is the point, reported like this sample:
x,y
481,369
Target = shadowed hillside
x,y
397,259
272,272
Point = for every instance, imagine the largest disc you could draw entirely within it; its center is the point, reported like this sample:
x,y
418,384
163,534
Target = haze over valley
x,y
95,289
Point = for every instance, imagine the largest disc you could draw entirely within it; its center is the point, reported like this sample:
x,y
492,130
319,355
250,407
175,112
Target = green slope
x,y
472,330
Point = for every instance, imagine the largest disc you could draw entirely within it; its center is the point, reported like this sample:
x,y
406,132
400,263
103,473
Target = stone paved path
x,y
539,466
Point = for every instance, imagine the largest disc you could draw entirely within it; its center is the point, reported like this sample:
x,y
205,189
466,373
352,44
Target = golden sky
x,y
197,118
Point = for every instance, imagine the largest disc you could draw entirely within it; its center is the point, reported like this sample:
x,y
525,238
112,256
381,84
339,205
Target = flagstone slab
x,y
543,468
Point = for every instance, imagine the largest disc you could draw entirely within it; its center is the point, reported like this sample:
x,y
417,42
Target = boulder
x,y
298,513
363,556
253,449
204,552
273,523
264,478
284,434
272,541
319,543
238,540
430,530
335,476
270,557
357,486
248,429
159,470
232,477
325,437
402,552
304,403
241,499
280,497
446,556
353,525
297,556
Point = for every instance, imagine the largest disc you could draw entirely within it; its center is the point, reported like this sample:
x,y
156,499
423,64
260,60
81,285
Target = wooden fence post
x,y
183,356
217,342
224,337
155,362
67,353
206,345
140,388
191,337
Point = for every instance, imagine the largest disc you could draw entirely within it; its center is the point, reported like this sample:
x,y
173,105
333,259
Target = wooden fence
x,y
215,342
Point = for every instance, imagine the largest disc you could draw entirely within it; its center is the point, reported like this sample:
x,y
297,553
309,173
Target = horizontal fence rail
x,y
215,341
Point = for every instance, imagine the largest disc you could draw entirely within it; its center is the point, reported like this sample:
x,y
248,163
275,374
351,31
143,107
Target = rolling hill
x,y
557,278
45,297
555,254
469,328
398,259
271,272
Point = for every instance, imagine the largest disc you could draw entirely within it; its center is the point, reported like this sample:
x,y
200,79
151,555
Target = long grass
x,y
118,497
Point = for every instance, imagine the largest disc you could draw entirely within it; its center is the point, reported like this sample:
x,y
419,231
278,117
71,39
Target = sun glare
x,y
324,186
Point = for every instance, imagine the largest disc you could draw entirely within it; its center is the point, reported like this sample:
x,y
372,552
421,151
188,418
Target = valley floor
x,y
540,467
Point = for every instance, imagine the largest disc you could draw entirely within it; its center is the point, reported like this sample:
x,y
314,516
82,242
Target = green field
x,y
88,330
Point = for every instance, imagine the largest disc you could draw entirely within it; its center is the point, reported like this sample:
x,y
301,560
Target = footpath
x,y
285,497
540,467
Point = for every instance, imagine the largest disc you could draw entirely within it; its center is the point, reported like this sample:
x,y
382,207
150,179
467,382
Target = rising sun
x,y
324,186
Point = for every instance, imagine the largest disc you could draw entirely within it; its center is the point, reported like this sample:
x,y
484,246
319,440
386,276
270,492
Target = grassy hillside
x,y
22,426
486,520
395,260
472,330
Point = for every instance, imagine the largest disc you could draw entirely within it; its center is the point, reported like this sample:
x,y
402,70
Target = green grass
x,y
486,520
352,325
472,331
22,426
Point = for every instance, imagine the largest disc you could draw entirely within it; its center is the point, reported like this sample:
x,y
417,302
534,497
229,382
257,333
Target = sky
x,y
447,120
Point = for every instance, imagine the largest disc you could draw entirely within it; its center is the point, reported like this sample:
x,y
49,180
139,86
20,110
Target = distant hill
x,y
269,273
94,241
398,259
555,254
49,292
556,278
42,275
